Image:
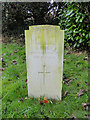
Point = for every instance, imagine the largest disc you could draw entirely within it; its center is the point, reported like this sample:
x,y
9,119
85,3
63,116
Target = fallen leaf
x,y
86,58
69,81
66,93
4,64
21,100
74,117
66,81
2,69
81,92
15,51
14,62
2,59
86,83
85,106
64,77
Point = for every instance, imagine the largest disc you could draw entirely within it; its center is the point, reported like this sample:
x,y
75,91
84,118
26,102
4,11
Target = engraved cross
x,y
44,72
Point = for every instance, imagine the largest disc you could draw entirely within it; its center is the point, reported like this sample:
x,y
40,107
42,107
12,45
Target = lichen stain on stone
x,y
43,35
43,41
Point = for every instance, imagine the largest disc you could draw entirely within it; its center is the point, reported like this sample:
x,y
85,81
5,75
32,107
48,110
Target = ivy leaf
x,y
81,20
80,41
77,18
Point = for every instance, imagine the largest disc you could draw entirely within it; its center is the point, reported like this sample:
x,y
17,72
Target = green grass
x,y
15,88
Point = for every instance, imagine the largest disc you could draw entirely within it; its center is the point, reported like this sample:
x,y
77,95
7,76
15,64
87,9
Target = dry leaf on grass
x,y
21,100
2,69
66,93
14,62
85,106
15,51
86,58
81,92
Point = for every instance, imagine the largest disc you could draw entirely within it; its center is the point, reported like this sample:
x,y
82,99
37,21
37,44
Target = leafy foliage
x,y
74,19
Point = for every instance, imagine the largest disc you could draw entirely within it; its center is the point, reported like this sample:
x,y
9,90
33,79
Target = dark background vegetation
x,y
72,17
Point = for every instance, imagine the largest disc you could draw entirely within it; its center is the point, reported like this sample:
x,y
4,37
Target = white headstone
x,y
44,57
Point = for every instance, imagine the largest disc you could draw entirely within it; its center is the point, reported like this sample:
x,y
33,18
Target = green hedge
x,y
74,19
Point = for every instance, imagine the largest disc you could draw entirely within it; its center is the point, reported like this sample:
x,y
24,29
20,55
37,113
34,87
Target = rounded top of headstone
x,y
44,26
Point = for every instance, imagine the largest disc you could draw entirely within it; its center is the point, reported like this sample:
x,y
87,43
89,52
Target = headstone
x,y
44,57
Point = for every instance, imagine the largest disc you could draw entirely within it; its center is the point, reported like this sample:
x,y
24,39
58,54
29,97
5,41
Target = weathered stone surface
x,y
44,57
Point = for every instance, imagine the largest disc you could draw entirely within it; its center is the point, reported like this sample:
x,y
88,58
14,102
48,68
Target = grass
x,y
15,101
